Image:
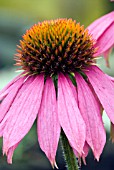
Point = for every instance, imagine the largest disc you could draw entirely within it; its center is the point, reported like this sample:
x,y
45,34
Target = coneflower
x,y
61,86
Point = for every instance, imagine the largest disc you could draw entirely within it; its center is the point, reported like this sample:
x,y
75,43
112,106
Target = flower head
x,y
61,87
102,31
55,46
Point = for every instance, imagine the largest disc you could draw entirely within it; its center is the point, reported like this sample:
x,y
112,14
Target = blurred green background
x,y
15,18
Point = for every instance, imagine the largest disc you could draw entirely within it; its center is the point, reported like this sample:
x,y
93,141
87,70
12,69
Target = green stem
x,y
69,156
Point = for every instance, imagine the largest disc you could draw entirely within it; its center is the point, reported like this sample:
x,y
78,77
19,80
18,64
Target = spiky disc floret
x,y
54,46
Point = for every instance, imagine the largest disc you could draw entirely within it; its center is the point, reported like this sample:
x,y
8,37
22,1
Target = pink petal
x,y
86,150
95,133
10,153
105,41
48,124
84,154
23,112
8,100
102,31
73,88
100,25
69,115
104,88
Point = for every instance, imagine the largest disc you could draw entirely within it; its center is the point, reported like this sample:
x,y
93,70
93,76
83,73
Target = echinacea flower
x,y
102,31
61,86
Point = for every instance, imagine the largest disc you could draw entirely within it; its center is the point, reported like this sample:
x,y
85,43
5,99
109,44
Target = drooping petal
x,y
23,112
10,153
105,41
79,156
9,98
83,155
90,110
48,123
104,89
73,88
100,25
102,31
86,150
69,115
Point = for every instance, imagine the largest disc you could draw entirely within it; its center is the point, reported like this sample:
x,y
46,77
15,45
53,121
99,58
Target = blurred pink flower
x,y
102,31
61,87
